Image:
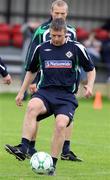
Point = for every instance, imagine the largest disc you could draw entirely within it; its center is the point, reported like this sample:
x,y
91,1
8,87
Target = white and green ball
x,y
41,162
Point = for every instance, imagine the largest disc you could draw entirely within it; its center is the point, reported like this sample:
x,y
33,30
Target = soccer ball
x,y
41,162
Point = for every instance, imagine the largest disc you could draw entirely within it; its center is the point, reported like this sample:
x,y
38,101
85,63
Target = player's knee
x,y
60,125
61,122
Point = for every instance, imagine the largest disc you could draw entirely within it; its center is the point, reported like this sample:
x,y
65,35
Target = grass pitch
x,y
90,140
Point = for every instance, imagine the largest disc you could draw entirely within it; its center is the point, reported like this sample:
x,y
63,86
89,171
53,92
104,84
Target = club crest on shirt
x,y
69,54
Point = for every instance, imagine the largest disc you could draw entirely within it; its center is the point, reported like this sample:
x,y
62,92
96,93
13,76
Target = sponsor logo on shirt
x,y
58,64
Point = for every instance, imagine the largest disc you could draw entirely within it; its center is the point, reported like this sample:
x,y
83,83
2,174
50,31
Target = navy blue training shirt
x,y
60,65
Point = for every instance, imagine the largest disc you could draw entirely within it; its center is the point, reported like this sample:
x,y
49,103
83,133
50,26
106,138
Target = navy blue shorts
x,y
57,100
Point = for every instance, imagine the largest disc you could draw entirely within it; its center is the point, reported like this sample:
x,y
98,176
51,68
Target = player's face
x,y
59,12
57,37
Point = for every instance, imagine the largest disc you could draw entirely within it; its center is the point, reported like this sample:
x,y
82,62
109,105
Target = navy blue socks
x,y
25,145
66,147
54,161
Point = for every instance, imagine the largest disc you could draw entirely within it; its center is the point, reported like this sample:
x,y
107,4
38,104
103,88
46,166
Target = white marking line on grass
x,y
100,173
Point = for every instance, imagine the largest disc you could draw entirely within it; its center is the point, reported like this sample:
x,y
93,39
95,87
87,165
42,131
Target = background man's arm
x,y
29,77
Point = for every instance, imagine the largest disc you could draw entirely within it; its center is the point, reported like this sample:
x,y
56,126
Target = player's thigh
x,y
37,105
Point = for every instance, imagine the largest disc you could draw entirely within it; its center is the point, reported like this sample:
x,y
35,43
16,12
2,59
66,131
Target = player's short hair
x,y
59,3
58,24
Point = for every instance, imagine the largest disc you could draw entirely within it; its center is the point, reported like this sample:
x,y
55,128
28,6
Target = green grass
x,y
90,140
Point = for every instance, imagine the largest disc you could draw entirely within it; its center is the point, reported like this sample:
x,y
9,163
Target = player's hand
x,y
19,99
7,79
88,91
32,88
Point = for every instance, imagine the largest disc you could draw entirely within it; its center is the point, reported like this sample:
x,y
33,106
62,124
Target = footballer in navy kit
x,y
59,9
59,60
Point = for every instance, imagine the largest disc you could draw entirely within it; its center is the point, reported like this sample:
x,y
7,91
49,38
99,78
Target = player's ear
x,y
51,12
50,31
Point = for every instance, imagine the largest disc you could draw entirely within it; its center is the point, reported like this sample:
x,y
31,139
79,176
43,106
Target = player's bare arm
x,y
90,82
